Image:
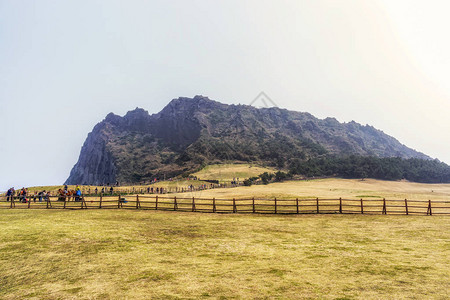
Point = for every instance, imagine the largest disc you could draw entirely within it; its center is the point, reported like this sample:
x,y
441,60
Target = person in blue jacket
x,y
77,193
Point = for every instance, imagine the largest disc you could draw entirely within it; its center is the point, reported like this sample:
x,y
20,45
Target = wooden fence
x,y
248,205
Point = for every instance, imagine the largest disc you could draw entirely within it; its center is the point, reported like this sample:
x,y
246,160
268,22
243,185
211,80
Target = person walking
x,y
23,195
46,196
8,195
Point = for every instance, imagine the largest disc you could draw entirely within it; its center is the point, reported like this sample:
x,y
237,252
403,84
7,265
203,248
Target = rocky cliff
x,y
191,132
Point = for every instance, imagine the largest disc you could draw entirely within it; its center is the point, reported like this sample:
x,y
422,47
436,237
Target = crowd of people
x,y
157,190
66,194
24,196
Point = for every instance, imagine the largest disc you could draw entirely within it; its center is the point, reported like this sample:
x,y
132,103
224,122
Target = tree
x,y
265,177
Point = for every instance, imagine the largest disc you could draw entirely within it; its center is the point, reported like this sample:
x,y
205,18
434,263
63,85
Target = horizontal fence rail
x,y
240,205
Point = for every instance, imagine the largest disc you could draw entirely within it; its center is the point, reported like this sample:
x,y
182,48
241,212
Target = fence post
x,y
317,204
156,203
406,207
296,200
362,207
175,204
83,202
340,205
137,202
48,202
253,204
100,205
429,208
12,204
118,202
234,206
29,203
193,204
214,205
275,205
65,199
384,207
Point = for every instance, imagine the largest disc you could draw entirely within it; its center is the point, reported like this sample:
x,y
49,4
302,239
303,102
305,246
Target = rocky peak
x,y
113,119
188,106
136,113
191,131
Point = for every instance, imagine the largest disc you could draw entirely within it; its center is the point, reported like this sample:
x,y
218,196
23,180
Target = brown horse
x,y
61,195
66,195
71,194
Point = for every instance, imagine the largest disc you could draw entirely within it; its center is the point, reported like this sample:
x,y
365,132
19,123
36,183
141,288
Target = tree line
x,y
354,166
385,168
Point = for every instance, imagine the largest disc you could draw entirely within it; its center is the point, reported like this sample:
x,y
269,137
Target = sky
x,y
64,65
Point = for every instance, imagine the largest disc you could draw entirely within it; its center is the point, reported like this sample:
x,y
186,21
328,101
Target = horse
x,y
62,195
69,194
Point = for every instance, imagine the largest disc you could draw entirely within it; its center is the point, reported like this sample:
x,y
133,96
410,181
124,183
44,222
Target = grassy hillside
x,y
226,172
222,172
107,254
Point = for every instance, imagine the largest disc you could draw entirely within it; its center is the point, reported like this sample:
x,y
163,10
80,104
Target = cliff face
x,y
96,164
190,132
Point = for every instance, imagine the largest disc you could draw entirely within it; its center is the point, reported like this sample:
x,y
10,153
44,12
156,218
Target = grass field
x,y
335,188
111,254
321,188
228,172
117,254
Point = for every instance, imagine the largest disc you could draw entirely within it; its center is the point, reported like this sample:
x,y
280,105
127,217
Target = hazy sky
x,y
64,65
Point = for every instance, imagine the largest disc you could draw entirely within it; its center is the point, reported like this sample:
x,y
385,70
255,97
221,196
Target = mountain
x,y
191,132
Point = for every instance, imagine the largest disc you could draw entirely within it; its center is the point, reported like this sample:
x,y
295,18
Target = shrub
x,y
265,177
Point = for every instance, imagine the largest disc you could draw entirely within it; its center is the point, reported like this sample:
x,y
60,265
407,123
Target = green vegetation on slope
x,y
387,168
107,254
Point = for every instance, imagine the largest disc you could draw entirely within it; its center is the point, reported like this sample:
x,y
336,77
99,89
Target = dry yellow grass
x,y
334,189
129,254
368,189
228,172
116,254
322,188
